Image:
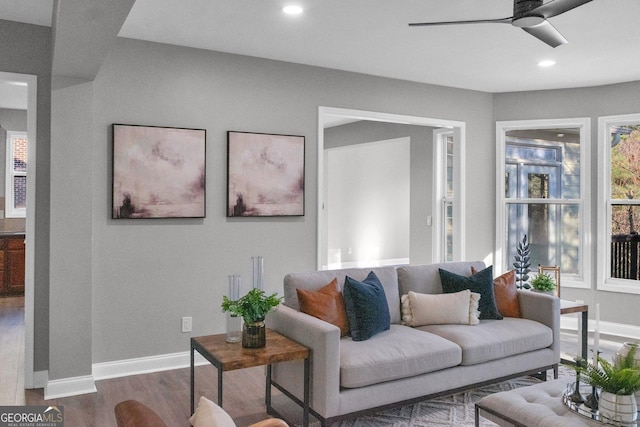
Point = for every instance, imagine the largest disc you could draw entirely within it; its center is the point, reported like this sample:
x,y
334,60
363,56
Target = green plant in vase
x,y
617,383
543,283
253,308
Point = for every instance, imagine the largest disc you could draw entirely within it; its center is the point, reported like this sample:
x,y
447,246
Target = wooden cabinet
x,y
12,265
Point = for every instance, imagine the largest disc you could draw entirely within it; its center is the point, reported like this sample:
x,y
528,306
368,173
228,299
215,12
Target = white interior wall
x,y
368,204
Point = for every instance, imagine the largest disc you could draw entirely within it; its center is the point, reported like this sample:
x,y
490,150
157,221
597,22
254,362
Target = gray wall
x,y
26,49
71,231
148,274
584,102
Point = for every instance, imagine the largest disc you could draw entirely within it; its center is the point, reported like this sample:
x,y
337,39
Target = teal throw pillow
x,y
480,283
366,306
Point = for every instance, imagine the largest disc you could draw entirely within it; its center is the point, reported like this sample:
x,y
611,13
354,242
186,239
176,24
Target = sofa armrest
x,y
545,309
323,339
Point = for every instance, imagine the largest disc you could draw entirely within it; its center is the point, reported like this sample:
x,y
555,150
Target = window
x,y
444,191
543,194
619,203
16,175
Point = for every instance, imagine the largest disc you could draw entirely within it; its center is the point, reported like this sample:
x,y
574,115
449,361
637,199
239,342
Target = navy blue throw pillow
x,y
366,305
480,283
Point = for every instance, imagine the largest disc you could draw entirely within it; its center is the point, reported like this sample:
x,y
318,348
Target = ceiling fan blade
x,y
476,21
556,7
547,33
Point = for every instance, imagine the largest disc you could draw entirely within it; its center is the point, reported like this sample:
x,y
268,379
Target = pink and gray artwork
x,y
158,172
265,175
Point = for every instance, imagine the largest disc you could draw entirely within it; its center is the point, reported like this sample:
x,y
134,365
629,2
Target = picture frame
x,y
265,174
158,172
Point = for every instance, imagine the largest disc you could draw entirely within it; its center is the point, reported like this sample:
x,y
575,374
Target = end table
x,y
230,356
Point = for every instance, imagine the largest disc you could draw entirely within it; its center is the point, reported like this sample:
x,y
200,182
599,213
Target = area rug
x,y
457,410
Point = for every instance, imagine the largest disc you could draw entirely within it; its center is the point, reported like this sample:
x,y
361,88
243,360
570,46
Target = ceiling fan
x,y
531,16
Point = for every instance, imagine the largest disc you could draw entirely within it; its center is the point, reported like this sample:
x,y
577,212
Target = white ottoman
x,y
538,405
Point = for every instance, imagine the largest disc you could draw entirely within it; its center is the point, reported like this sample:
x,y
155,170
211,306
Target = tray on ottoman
x,y
539,405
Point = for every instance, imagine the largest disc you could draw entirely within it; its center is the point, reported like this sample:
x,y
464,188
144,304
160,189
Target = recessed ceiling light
x,y
547,63
292,10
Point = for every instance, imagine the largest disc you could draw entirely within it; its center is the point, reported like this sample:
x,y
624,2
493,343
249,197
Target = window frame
x,y
583,278
440,198
605,281
10,173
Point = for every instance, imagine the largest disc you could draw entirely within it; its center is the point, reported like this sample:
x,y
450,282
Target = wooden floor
x,y
167,392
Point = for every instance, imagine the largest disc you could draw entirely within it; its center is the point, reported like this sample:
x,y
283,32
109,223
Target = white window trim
x,y
584,125
605,281
439,180
9,210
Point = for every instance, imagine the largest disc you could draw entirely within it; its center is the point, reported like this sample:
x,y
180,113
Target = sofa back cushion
x,y
425,279
314,280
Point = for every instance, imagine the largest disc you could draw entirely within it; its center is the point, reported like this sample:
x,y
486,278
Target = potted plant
x,y
617,383
253,307
543,283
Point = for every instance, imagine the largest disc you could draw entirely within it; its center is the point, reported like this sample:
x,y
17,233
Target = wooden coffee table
x,y
230,356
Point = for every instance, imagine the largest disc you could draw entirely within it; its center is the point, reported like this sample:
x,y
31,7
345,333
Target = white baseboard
x,y
145,365
40,379
69,387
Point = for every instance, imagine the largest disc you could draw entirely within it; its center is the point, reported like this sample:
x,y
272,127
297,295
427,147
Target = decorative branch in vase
x,y
522,264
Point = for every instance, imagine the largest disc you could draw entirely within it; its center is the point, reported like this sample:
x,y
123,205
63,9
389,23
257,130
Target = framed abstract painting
x,y
265,174
158,172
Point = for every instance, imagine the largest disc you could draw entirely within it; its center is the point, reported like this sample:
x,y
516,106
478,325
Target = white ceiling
x,y
372,37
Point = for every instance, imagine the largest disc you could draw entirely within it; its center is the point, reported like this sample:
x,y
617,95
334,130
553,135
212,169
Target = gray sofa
x,y
405,364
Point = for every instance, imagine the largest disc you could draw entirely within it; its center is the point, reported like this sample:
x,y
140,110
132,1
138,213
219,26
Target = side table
x,y
570,307
230,356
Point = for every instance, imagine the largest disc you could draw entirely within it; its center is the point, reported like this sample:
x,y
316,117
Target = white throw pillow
x,y
460,308
208,414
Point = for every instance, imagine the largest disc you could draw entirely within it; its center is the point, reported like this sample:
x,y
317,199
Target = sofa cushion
x,y
397,353
428,309
481,283
366,305
495,339
314,280
327,304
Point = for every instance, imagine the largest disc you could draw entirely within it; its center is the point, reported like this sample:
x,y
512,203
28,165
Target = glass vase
x,y
234,328
233,321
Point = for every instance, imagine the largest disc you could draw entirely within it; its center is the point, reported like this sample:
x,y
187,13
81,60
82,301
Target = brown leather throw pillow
x,y
326,304
506,292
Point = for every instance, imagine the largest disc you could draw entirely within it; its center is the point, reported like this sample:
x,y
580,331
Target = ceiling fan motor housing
x,y
522,16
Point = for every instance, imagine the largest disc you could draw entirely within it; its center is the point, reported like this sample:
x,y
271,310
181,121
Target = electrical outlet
x,y
186,324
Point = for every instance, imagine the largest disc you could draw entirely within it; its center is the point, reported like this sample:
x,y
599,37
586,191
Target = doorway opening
x,y
28,96
418,207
